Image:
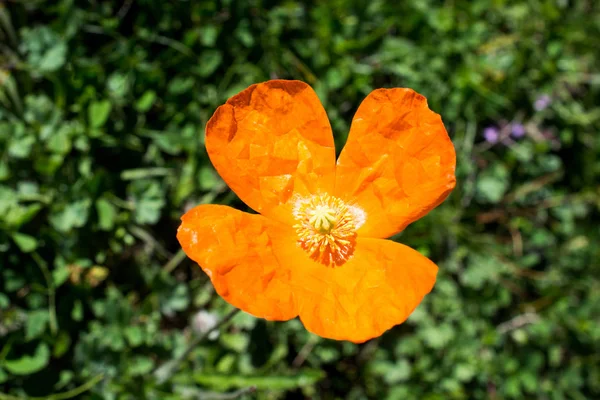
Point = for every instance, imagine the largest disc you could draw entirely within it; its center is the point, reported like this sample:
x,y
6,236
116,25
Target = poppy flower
x,y
317,248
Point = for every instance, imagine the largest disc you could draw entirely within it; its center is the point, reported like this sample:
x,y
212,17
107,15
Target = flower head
x,y
317,249
491,134
517,130
542,102
203,321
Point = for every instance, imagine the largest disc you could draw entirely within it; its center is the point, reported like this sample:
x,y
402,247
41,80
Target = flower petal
x,y
235,250
379,287
255,264
270,142
398,163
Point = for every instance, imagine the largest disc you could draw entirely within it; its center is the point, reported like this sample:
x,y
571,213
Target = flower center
x,y
326,228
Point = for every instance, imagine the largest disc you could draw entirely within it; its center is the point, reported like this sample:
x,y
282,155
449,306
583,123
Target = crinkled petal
x,y
235,249
379,287
256,265
398,163
271,142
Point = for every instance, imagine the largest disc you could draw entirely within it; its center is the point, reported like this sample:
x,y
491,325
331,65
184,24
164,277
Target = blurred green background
x,y
102,112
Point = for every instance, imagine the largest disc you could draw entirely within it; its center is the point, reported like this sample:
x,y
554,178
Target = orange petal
x,y
235,250
379,287
270,142
398,163
255,264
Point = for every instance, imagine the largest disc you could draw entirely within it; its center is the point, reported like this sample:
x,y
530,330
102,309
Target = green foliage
x,y
102,111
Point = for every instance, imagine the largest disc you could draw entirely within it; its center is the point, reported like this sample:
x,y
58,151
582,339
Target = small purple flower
x,y
542,102
491,134
517,130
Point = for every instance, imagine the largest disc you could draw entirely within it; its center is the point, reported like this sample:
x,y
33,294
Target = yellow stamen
x,y
326,228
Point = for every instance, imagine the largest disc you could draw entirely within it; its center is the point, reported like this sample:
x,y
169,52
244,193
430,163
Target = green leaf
x,y
8,199
118,85
208,35
493,183
61,345
244,34
98,112
21,146
176,300
134,335
140,365
207,178
77,311
46,50
398,373
4,171
272,382
29,364
480,270
113,338
235,341
209,62
438,336
145,102
60,141
147,211
26,243
143,173
66,376
20,215
107,214
465,372
60,274
226,364
186,183
37,321
4,301
73,215
169,142
54,58
180,85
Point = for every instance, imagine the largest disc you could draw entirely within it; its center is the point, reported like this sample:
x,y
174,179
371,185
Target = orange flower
x,y
317,250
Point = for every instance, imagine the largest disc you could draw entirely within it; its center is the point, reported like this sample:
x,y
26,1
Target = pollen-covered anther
x,y
326,228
